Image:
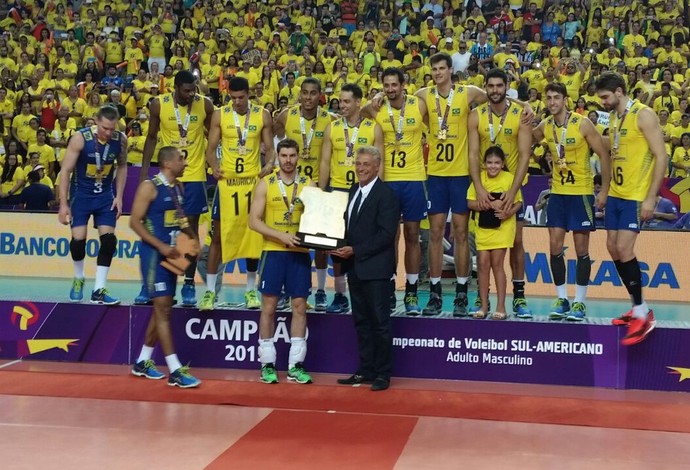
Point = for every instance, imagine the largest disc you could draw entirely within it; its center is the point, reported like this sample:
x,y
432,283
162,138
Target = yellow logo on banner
x,y
683,372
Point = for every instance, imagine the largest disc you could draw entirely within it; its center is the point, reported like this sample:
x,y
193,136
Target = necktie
x,y
355,207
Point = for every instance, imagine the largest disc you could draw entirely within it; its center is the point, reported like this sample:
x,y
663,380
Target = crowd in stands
x,y
61,60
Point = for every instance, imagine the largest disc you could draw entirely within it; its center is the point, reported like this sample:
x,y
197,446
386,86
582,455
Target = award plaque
x,y
189,249
322,225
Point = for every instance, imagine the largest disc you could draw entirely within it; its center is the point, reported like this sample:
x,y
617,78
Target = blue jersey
x,y
162,217
87,181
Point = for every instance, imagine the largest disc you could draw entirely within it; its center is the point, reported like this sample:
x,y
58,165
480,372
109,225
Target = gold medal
x,y
562,165
99,176
183,141
442,134
306,153
349,161
242,150
184,222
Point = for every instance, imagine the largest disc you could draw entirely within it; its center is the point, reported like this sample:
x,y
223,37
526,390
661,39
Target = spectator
x,y
11,181
37,196
665,214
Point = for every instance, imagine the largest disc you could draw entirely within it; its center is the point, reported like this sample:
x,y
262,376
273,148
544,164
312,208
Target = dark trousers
x,y
372,317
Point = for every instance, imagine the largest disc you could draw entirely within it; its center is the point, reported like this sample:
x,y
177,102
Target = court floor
x,y
84,416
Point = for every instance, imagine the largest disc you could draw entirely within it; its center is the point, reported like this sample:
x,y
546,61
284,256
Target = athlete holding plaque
x,y
158,217
93,156
240,129
275,214
570,136
342,139
639,163
306,123
182,119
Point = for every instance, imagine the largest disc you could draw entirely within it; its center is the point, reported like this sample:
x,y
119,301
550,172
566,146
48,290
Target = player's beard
x,y
612,106
496,98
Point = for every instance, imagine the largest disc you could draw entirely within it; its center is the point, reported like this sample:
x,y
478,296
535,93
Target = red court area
x,y
63,415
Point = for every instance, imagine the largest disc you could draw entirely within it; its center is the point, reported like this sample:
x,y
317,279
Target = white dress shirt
x,y
365,190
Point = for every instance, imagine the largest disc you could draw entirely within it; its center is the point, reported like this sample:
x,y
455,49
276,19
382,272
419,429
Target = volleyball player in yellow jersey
x,y
570,136
401,118
240,129
498,122
639,163
181,119
343,137
306,123
448,177
275,214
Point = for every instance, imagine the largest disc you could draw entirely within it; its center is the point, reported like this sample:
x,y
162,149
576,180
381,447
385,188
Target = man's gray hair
x,y
370,150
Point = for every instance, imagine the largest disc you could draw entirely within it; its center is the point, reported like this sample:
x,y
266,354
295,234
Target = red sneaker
x,y
639,329
623,319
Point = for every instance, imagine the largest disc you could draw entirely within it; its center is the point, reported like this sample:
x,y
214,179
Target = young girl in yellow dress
x,y
495,230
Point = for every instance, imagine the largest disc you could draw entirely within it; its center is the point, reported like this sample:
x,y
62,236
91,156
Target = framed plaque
x,y
322,225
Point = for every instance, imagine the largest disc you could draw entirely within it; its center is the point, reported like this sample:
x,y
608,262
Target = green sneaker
x,y
269,374
207,301
76,294
299,375
251,299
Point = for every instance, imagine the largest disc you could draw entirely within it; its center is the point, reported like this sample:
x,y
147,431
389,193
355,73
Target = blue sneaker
x,y
520,308
340,304
147,369
559,309
143,297
477,306
183,379
188,295
321,300
76,293
578,312
103,297
283,302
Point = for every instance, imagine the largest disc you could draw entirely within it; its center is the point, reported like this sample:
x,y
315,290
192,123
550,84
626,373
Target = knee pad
x,y
107,249
298,350
77,249
267,351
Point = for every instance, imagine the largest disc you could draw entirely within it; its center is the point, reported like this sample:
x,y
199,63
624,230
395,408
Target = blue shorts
x,y
158,281
412,197
570,212
288,269
99,207
448,193
195,200
622,214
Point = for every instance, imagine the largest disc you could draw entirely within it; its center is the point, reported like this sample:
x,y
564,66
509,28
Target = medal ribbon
x,y
401,119
242,133
443,120
306,140
289,205
350,143
618,125
493,136
182,127
560,146
97,155
176,195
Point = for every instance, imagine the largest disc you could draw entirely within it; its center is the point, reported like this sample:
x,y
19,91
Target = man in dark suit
x,y
372,218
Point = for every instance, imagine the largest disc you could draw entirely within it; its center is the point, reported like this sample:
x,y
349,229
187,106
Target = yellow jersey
x,y
46,152
681,156
577,178
63,135
308,133
447,156
403,159
632,162
343,174
169,134
501,131
276,214
503,236
135,151
238,161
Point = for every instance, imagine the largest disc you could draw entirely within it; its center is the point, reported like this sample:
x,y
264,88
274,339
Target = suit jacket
x,y
371,234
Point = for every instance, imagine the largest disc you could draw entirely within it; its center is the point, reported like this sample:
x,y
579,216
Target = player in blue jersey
x,y
93,157
158,217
